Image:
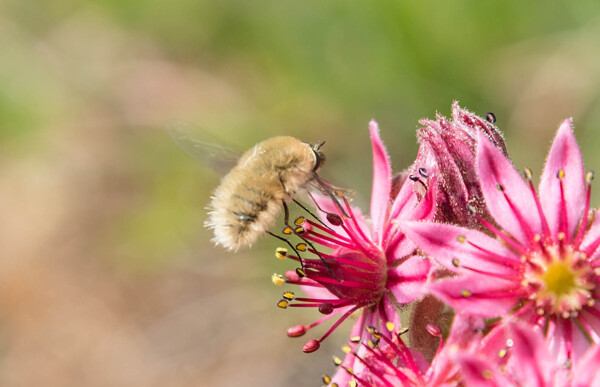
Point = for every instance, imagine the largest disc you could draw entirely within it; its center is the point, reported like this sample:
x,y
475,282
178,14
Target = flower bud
x,y
448,151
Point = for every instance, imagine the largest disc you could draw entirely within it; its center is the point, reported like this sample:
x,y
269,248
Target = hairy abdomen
x,y
242,209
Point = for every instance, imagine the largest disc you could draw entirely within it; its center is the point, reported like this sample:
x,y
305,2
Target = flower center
x,y
559,279
562,282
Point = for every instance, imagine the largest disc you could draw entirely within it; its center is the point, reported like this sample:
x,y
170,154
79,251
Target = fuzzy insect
x,y
250,197
265,178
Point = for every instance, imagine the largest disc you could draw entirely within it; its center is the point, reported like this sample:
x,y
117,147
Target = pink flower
x,y
369,266
510,354
385,360
538,260
517,354
448,151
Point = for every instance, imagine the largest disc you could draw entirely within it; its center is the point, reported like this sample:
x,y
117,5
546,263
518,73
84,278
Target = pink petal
x,y
477,294
397,245
591,240
466,330
565,155
530,361
508,197
316,291
401,248
425,210
391,314
382,183
407,281
405,200
557,343
462,250
586,371
474,371
591,317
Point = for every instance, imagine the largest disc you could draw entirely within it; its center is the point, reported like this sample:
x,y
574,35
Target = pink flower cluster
x,y
464,274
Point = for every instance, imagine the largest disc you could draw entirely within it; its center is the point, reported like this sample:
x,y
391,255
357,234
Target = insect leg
x,y
288,226
289,230
307,210
327,189
289,244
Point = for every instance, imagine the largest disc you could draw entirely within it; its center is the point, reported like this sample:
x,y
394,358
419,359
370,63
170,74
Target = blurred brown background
x,y
107,276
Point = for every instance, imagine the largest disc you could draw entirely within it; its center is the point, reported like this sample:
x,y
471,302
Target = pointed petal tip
x,y
455,107
566,124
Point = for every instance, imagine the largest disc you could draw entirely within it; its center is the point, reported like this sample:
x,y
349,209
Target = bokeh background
x,y
107,276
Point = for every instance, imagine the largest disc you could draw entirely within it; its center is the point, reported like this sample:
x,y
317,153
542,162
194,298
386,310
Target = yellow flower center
x,y
559,278
561,281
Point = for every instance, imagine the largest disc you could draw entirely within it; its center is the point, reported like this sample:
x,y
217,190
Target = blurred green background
x,y
107,276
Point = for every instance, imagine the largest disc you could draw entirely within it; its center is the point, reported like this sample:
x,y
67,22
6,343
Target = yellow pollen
x,y
465,293
283,304
288,295
590,302
528,174
561,173
277,279
299,221
455,262
355,339
299,230
589,176
487,374
300,272
281,253
461,238
326,379
337,361
502,353
390,326
352,383
287,230
346,349
301,246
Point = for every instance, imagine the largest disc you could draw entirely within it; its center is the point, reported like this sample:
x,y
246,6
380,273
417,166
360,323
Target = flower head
x,y
368,265
541,264
448,150
507,354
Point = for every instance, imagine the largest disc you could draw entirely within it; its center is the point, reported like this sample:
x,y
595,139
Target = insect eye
x,y
320,160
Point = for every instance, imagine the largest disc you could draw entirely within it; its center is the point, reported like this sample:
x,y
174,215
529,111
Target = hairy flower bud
x,y
448,151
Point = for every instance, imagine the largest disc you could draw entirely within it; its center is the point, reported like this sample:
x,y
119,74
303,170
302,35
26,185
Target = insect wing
x,y
204,147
